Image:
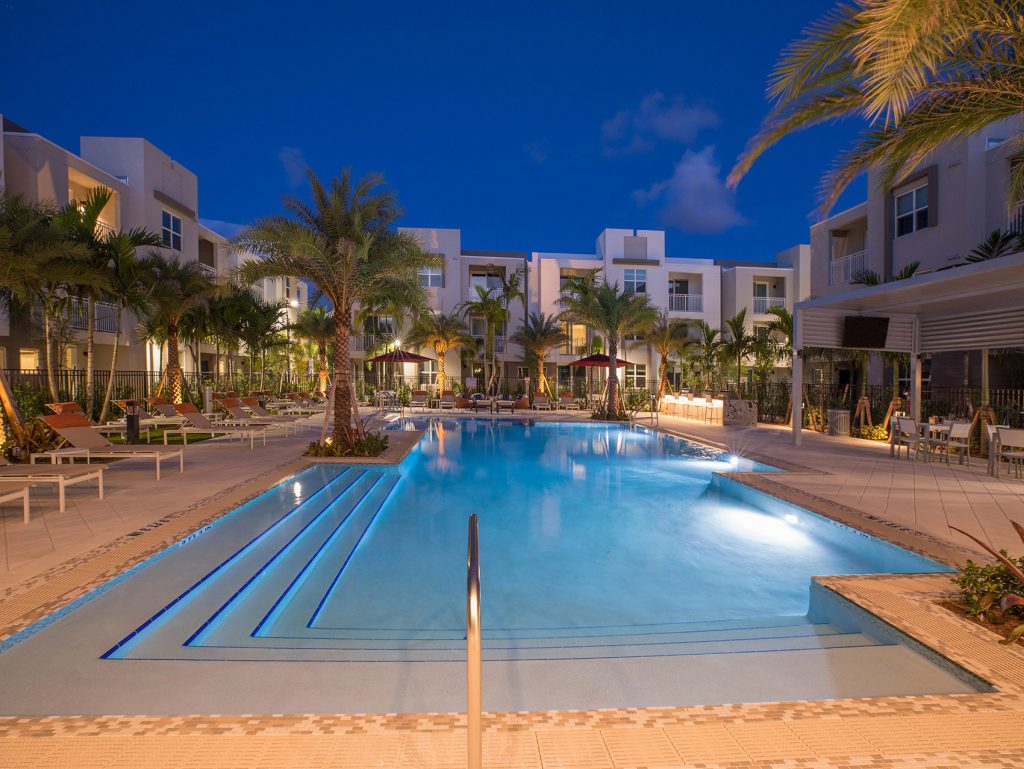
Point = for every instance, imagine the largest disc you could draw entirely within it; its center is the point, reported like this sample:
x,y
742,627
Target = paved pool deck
x,y
58,556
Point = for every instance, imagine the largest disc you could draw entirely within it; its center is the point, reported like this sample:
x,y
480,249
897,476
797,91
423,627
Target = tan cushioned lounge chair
x,y
61,475
75,429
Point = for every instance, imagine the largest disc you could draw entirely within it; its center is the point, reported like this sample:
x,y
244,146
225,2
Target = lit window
x,y
636,376
28,359
486,280
430,277
912,211
635,281
171,231
428,372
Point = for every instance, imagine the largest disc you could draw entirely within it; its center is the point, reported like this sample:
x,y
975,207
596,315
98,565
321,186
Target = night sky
x,y
530,126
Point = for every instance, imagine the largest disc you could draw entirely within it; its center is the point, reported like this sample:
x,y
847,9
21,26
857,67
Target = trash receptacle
x,y
838,422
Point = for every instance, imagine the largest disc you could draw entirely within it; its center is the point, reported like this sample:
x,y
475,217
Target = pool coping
x,y
908,603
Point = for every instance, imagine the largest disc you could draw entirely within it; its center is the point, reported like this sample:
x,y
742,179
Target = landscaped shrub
x,y
872,433
370,445
994,593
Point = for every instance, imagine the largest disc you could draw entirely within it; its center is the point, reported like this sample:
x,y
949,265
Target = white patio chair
x,y
1011,448
907,434
992,433
958,437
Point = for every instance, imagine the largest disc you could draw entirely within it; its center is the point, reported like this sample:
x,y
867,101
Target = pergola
x,y
970,307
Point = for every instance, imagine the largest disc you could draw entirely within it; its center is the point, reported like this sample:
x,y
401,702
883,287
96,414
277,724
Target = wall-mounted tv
x,y
861,332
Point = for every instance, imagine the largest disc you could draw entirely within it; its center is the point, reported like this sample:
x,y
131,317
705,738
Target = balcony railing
x,y
764,303
1015,219
686,302
106,315
369,342
499,343
843,269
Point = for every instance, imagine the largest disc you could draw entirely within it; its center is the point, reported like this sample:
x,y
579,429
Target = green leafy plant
x,y
986,587
873,432
369,445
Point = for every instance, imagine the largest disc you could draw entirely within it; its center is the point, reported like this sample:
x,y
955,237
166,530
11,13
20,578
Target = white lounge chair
x,y
447,400
84,441
568,403
61,475
541,402
239,417
9,494
419,400
199,423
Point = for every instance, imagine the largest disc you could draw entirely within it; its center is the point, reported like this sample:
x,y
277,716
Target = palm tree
x,y
739,344
667,337
614,313
538,335
919,73
489,306
174,289
997,244
316,324
511,289
80,221
343,243
443,332
127,292
872,278
259,330
782,328
708,351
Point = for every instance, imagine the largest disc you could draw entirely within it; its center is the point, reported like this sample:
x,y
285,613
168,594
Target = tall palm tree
x,y
345,245
174,289
489,306
538,335
708,352
667,336
612,312
443,332
80,220
260,329
919,72
781,326
739,344
512,288
127,292
316,324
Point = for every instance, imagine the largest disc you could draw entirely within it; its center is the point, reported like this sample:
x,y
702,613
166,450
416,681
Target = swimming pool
x,y
598,543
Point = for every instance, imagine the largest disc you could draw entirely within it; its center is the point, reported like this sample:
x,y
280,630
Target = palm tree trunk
x,y
108,394
612,399
90,351
441,381
173,366
48,354
344,432
542,381
323,376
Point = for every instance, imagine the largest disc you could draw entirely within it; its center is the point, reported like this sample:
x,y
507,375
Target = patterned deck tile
x,y
640,747
574,749
705,743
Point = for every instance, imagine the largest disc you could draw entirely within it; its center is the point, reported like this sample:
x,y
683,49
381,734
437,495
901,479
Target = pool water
x,y
595,540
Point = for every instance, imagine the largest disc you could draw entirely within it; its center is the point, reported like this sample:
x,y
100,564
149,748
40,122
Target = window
x,y
678,286
428,372
912,211
28,359
3,357
575,342
171,231
761,331
760,290
287,287
430,277
485,280
478,327
636,376
635,281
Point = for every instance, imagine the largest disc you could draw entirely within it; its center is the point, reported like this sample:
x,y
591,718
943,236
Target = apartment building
x,y
689,289
934,216
152,191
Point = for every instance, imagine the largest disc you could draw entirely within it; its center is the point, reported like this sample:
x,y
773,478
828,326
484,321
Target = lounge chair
x,y
447,400
149,421
199,423
541,402
568,403
299,400
111,428
10,494
419,399
261,413
505,402
239,417
59,474
84,441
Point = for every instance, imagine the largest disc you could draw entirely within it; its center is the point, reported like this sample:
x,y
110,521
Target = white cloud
x,y
695,198
294,164
656,118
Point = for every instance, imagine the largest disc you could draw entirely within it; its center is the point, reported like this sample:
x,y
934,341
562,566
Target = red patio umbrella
x,y
400,356
599,360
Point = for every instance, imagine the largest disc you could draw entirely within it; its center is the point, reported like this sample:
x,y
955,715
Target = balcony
x,y
106,315
1015,219
843,269
686,302
499,344
764,303
369,342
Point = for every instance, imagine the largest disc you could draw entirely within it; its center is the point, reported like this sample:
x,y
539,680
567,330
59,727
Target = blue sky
x,y
530,125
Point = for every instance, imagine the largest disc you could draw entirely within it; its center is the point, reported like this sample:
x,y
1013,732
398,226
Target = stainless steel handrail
x,y
474,686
